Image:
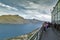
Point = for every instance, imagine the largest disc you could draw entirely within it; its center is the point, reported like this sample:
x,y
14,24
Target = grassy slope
x,y
11,19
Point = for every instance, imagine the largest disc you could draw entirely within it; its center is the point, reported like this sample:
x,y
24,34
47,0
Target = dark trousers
x,y
44,28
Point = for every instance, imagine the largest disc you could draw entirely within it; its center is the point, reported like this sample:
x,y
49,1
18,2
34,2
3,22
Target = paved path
x,y
51,34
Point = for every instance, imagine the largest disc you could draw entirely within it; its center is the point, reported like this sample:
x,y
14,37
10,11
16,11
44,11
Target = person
x,y
55,25
45,25
49,24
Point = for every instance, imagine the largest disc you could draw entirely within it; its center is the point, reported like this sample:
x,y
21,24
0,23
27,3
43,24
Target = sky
x,y
28,9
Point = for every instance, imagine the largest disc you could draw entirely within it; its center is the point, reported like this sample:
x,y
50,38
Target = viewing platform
x,y
51,34
39,34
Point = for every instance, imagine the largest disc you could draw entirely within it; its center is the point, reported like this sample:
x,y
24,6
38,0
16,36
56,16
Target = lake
x,y
12,30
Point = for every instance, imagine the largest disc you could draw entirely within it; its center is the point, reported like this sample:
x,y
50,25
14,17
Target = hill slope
x,y
11,19
15,19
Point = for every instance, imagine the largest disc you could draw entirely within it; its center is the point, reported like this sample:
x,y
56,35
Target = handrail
x,y
37,35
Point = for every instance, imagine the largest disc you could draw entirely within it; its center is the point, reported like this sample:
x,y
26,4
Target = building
x,y
56,14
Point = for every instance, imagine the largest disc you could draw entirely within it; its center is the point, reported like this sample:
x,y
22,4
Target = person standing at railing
x,y
45,26
49,24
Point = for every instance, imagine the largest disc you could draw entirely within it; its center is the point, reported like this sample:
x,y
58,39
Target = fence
x,y
37,35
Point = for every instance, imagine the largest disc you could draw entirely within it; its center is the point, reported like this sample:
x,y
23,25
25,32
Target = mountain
x,y
15,19
33,20
11,19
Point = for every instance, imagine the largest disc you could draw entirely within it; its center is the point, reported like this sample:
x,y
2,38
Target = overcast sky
x,y
29,9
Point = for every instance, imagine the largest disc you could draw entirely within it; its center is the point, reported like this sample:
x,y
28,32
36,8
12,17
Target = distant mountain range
x,y
15,19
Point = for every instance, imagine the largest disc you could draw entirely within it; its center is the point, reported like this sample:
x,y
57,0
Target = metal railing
x,y
37,35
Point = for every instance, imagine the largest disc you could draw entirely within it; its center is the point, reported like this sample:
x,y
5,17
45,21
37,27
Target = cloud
x,y
8,7
6,13
43,17
32,5
37,15
38,9
44,2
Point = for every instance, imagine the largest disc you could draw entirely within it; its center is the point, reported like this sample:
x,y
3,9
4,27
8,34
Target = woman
x,y
45,25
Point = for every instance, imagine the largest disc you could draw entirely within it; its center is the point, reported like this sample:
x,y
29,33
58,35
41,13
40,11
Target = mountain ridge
x,y
15,19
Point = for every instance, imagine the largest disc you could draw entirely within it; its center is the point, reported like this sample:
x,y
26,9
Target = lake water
x,y
12,30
